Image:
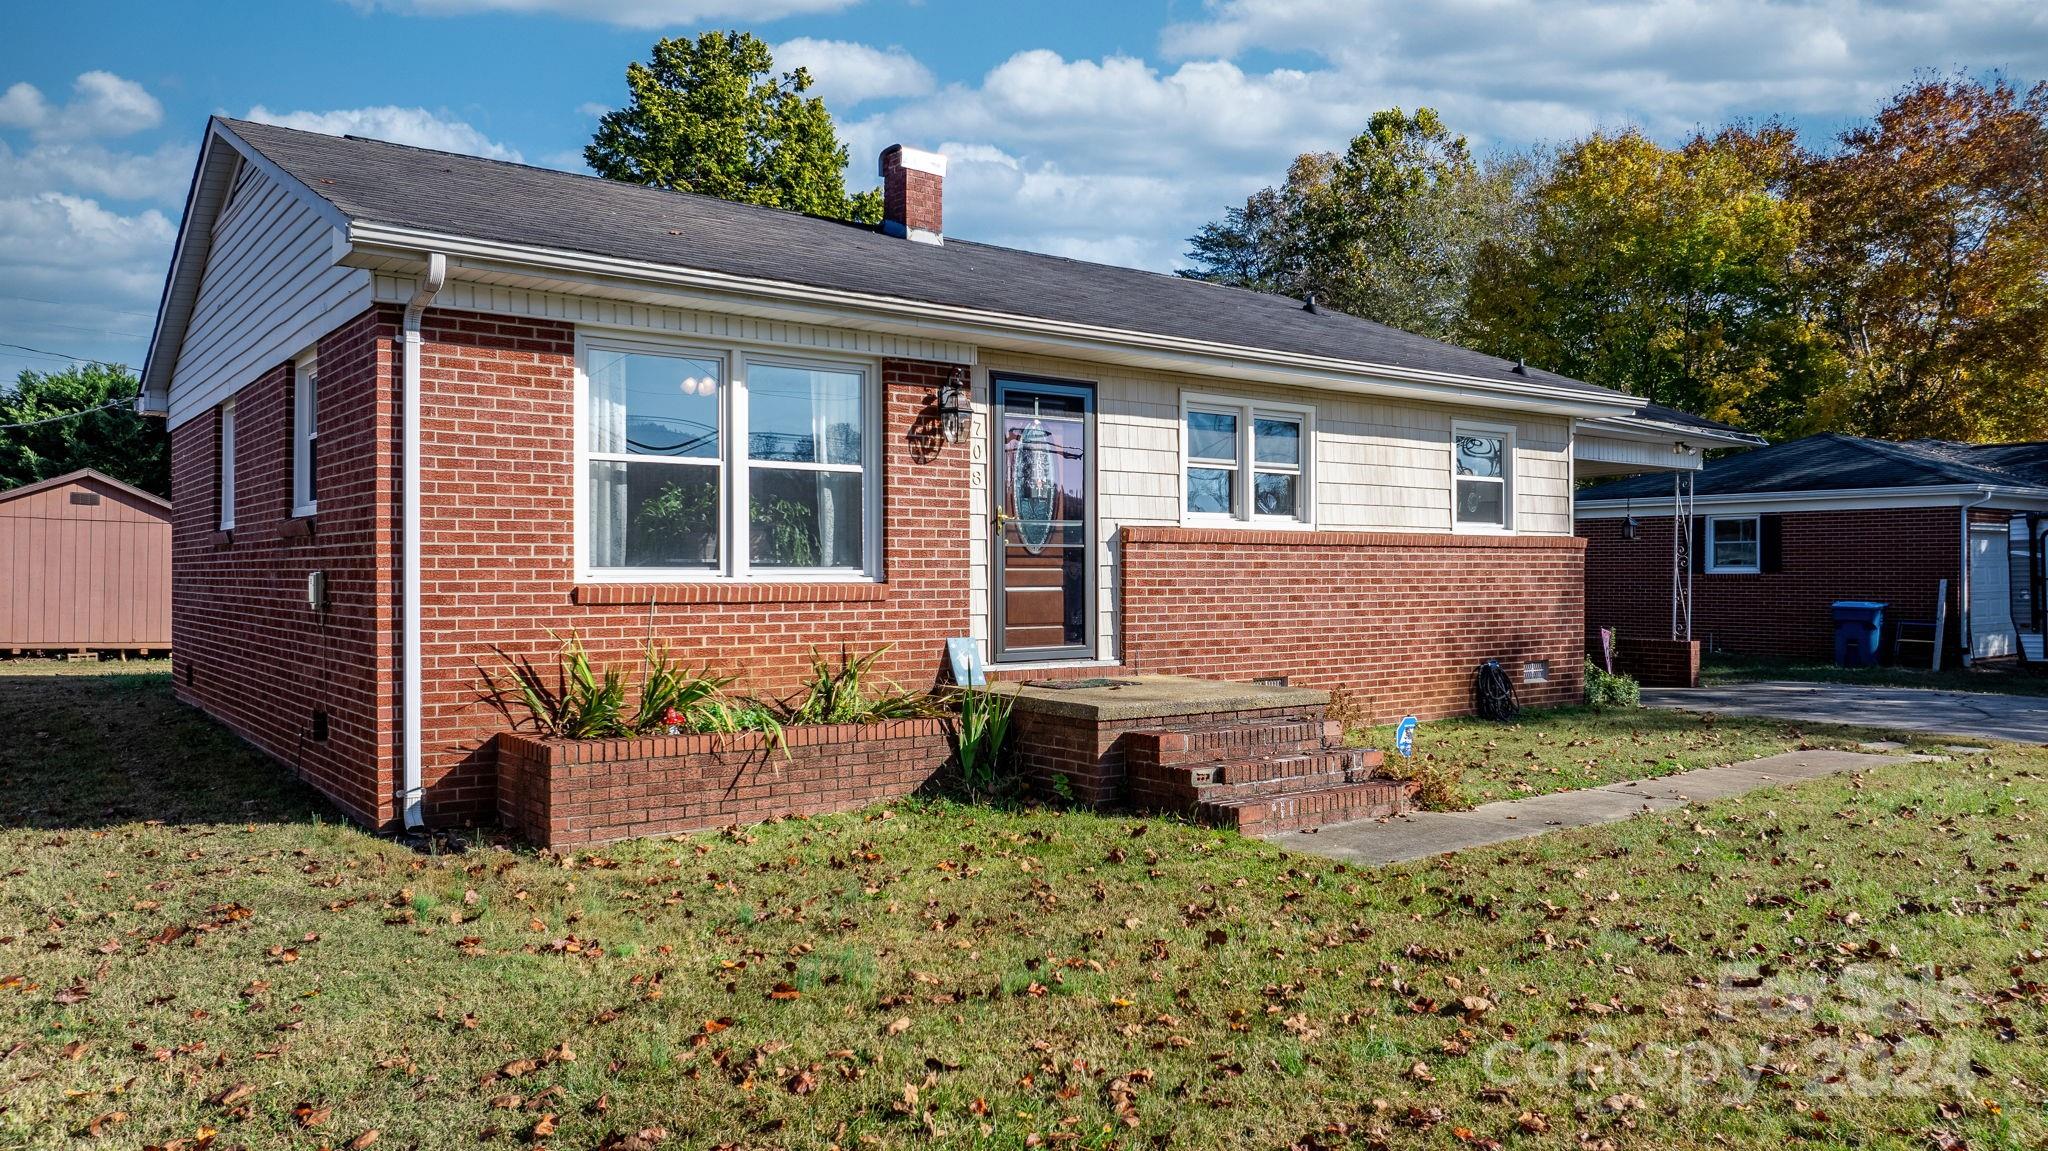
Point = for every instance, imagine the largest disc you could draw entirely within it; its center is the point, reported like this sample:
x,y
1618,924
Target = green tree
x,y
1388,229
710,115
113,439
1930,250
1669,273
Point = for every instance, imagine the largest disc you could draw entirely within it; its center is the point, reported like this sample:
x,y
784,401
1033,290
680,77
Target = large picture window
x,y
708,463
1246,462
1482,473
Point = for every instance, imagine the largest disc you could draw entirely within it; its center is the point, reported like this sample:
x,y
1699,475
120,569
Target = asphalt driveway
x,y
1960,714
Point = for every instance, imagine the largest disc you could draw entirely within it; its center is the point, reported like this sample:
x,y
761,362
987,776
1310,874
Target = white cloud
x,y
1552,68
628,13
415,126
161,175
102,104
1125,157
79,277
848,73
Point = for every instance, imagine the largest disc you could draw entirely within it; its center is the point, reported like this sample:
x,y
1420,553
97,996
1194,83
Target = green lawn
x,y
2007,677
1567,748
190,949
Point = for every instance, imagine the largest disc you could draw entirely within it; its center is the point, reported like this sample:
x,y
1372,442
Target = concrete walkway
x,y
1961,714
1425,833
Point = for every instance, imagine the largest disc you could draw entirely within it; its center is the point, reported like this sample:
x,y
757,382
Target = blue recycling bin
x,y
1858,624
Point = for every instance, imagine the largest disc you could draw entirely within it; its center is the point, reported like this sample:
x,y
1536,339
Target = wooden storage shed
x,y
85,565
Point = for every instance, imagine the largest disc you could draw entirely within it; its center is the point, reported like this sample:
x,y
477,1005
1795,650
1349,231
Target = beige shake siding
x,y
1379,464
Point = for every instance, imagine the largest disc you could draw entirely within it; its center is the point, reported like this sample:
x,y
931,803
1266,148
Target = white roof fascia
x,y
374,244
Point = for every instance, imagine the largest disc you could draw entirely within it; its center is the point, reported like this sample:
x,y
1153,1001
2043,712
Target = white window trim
x,y
1508,463
226,494
305,433
1246,468
735,470
1713,568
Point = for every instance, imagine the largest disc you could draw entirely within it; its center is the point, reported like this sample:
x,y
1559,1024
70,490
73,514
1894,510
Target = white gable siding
x,y
271,288
1380,465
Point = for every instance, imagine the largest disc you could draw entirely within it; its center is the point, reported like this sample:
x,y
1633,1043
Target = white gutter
x,y
412,704
1840,499
1963,588
370,239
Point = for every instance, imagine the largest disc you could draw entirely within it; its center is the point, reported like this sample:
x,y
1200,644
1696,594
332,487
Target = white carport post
x,y
1682,544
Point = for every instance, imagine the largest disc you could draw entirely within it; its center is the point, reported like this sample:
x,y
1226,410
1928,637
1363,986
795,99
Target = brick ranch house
x,y
1781,533
422,404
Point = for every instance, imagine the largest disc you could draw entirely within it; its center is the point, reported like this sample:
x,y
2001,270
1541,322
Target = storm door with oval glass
x,y
1044,495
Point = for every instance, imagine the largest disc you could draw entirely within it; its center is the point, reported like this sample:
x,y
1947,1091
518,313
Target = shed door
x,y
1991,626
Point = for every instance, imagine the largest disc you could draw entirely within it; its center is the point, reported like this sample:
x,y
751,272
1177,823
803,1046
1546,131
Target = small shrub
x,y
978,738
1609,689
1436,784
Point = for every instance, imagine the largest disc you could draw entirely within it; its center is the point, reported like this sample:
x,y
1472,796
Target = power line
x,y
65,416
74,303
62,356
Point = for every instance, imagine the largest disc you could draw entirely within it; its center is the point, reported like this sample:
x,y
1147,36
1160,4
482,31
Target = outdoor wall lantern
x,y
954,406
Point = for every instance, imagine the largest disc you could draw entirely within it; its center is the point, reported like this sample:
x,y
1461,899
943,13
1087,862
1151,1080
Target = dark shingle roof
x,y
392,184
1836,462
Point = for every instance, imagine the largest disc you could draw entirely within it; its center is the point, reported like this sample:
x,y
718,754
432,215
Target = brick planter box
x,y
571,793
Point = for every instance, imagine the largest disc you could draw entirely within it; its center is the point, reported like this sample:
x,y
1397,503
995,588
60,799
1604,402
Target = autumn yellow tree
x,y
1929,263
1668,273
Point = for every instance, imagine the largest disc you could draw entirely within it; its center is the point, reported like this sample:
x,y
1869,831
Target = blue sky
x,y
1105,130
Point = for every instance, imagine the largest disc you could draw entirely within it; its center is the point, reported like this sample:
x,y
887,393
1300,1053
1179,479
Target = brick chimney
x,y
913,194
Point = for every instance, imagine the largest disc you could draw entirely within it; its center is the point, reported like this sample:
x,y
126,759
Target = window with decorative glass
x,y
1246,462
1481,464
671,492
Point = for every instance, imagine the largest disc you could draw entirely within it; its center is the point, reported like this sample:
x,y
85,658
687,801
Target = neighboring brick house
x,y
425,405
1781,533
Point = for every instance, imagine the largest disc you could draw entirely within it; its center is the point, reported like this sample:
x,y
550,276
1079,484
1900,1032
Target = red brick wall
x,y
1397,621
559,793
499,562
245,646
1895,556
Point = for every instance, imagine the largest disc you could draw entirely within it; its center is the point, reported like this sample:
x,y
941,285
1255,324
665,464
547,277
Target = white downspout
x,y
1963,588
412,699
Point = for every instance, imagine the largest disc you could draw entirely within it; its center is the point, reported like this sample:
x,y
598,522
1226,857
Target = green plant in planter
x,y
978,738
575,702
845,694
666,685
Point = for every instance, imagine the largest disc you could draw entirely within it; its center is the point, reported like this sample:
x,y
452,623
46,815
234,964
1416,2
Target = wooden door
x,y
1045,514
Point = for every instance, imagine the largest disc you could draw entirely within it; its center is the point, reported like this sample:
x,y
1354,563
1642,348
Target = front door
x,y
1044,495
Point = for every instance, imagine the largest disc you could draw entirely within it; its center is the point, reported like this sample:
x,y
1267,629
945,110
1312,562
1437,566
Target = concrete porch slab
x,y
1128,697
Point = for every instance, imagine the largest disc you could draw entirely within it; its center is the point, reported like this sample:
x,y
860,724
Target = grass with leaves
x,y
1563,749
193,952
2005,677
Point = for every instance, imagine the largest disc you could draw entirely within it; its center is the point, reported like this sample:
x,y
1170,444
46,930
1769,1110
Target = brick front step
x,y
1355,763
1265,815
1232,739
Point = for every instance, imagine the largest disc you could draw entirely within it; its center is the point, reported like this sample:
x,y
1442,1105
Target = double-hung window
x,y
1734,545
225,462
708,462
305,438
1246,462
1482,477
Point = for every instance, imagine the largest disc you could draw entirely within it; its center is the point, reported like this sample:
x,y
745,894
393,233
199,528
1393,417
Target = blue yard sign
x,y
1404,737
965,655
